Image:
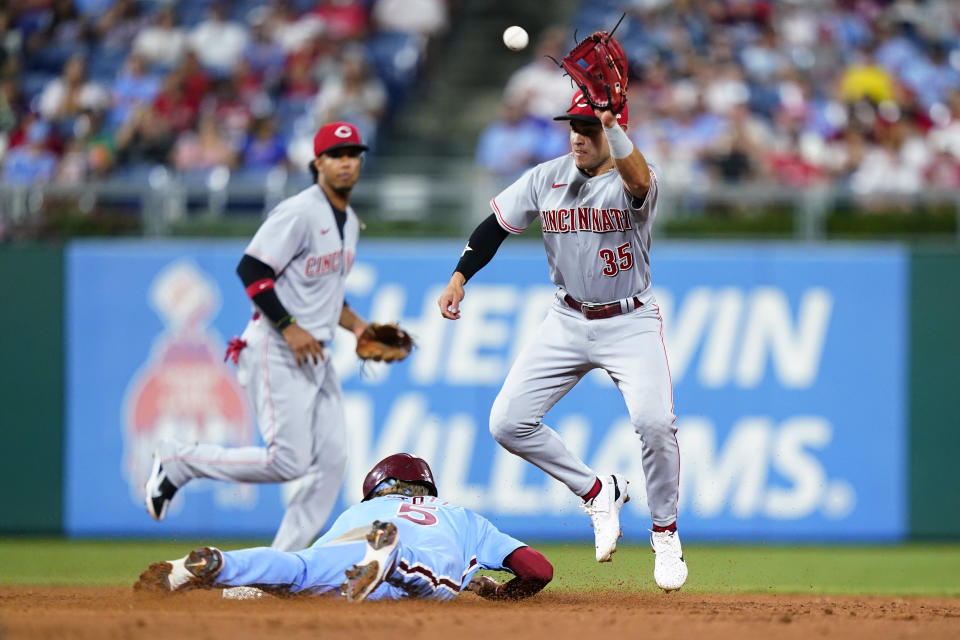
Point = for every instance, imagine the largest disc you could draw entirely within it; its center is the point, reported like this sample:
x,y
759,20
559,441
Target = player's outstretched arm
x,y
630,163
533,572
480,249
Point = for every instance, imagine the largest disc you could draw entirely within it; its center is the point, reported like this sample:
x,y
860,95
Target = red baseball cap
x,y
581,110
337,135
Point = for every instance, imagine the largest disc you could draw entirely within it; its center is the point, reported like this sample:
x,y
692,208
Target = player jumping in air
x,y
294,271
596,206
401,541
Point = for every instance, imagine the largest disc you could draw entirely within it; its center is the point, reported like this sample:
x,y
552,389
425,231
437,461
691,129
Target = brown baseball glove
x,y
603,75
384,342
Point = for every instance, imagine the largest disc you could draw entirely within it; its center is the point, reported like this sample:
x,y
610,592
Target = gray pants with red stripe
x,y
301,420
565,348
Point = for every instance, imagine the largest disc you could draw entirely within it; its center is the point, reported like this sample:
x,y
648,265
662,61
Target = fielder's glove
x,y
604,78
384,342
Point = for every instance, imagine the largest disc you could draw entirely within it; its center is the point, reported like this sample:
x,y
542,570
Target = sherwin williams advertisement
x,y
788,366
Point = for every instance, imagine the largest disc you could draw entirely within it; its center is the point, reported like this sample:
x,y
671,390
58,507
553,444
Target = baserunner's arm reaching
x,y
532,570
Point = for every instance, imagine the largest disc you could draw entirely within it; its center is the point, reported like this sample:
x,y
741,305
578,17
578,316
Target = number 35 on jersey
x,y
616,260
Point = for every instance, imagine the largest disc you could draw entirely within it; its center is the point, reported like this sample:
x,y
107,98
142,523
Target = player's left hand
x,y
484,586
449,300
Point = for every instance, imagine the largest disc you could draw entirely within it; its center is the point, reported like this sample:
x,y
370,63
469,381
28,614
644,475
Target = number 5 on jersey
x,y
418,513
615,263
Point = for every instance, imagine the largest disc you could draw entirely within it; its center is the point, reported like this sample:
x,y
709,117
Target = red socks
x,y
670,527
590,495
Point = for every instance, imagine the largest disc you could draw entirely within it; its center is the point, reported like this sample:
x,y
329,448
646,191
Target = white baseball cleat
x,y
669,569
604,512
196,570
369,573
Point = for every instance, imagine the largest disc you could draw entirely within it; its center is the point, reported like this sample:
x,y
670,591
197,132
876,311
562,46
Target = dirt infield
x,y
118,613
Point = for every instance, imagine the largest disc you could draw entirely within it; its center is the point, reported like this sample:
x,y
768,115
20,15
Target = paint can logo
x,y
185,392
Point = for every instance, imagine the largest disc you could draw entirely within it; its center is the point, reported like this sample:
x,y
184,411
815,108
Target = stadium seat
x,y
51,58
396,58
249,176
105,63
240,10
289,112
138,174
32,83
192,12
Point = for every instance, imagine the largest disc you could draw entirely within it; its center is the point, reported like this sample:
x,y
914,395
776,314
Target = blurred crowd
x,y
863,94
113,88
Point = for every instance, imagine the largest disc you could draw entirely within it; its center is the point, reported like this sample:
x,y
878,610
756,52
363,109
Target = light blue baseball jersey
x,y
441,546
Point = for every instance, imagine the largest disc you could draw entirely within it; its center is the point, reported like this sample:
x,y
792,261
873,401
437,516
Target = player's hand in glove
x,y
485,587
603,80
304,346
383,342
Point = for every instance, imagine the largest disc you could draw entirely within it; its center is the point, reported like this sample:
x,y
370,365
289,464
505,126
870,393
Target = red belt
x,y
600,311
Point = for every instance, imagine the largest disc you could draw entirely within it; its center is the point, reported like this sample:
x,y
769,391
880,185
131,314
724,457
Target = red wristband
x,y
259,287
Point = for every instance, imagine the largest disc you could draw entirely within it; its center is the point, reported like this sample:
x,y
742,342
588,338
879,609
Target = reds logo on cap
x,y
580,109
337,135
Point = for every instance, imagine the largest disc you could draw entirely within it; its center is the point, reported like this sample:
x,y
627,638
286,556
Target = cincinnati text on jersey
x,y
327,263
584,219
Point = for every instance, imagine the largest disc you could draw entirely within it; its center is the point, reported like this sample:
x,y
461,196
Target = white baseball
x,y
515,38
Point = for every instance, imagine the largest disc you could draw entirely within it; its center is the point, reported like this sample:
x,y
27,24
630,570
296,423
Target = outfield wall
x,y
31,390
790,368
935,394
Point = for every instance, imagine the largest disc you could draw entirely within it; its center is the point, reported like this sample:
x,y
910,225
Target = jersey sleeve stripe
x,y
503,223
425,573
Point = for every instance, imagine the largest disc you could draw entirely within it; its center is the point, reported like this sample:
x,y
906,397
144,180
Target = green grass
x,y
927,570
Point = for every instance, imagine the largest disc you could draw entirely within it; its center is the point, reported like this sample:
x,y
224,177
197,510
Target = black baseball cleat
x,y
369,573
158,491
196,570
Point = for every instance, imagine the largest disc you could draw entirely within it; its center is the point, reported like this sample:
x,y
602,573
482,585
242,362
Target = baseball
x,y
515,38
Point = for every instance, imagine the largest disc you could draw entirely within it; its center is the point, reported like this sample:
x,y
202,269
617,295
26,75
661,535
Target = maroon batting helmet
x,y
401,466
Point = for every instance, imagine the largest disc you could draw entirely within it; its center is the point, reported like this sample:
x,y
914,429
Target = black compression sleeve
x,y
480,249
258,275
252,270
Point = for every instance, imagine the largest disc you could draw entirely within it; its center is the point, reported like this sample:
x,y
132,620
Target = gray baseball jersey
x,y
597,239
299,407
597,235
300,241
